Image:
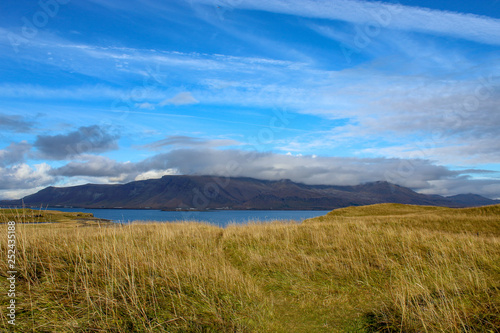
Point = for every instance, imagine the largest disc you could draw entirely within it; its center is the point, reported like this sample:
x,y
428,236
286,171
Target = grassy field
x,y
381,268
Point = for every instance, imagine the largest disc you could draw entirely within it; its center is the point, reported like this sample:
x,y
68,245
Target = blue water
x,y
220,217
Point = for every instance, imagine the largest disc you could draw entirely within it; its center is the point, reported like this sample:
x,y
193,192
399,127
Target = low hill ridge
x,y
210,192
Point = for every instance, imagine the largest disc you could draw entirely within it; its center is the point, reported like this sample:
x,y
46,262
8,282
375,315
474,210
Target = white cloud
x,y
17,194
145,105
154,174
24,179
182,98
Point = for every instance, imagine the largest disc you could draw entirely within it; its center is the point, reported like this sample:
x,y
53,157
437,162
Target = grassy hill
x,y
387,268
69,219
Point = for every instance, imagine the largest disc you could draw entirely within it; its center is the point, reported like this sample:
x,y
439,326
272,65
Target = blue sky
x,y
321,92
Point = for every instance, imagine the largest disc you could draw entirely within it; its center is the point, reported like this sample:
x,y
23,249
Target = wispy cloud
x,y
15,123
114,64
178,141
395,16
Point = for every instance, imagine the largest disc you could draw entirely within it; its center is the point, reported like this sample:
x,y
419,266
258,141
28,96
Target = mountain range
x,y
210,192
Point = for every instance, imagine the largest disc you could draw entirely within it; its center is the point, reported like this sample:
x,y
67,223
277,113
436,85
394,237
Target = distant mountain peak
x,y
471,199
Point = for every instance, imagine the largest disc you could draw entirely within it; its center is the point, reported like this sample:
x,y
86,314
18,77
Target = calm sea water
x,y
219,217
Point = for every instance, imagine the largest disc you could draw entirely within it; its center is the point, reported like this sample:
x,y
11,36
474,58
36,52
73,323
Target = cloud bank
x,y
421,175
90,139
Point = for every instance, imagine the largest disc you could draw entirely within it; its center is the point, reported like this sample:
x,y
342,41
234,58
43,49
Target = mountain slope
x,y
207,192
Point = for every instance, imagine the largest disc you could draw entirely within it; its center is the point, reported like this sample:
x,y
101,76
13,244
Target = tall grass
x,y
168,277
389,268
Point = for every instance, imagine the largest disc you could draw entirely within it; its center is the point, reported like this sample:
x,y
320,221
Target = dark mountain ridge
x,y
210,192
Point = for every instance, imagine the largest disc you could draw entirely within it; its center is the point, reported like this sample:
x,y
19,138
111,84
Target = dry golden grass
x,y
388,268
